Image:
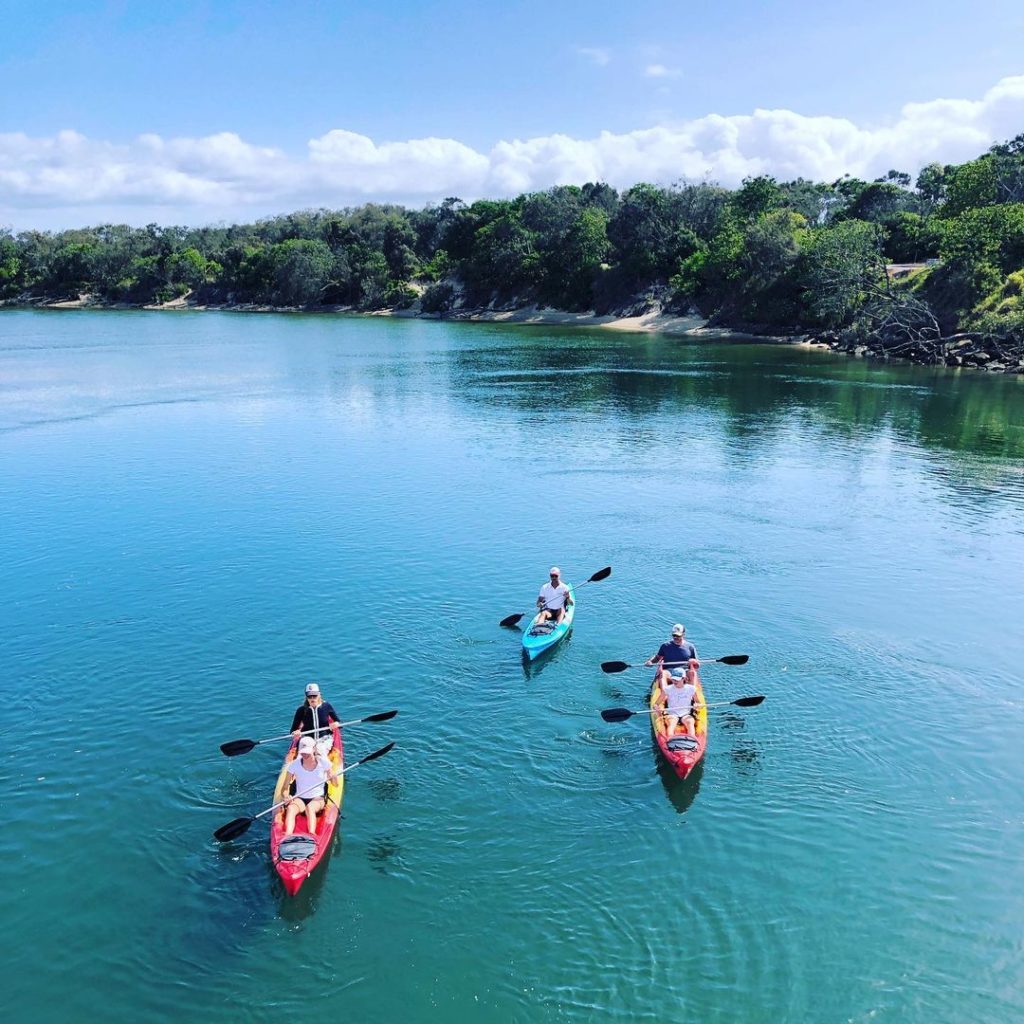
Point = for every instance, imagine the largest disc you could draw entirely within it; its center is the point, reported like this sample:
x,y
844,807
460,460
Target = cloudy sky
x,y
204,111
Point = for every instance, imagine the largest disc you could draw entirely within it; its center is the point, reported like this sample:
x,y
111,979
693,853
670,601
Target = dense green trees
x,y
769,254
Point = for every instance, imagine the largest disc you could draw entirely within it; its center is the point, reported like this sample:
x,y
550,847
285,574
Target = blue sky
x,y
263,79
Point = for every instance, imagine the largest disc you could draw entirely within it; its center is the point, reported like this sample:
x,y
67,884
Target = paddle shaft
x,y
622,714
696,708
246,745
601,574
313,732
728,659
329,778
239,826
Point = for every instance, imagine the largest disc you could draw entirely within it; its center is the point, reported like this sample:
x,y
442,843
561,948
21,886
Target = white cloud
x,y
595,54
71,179
660,71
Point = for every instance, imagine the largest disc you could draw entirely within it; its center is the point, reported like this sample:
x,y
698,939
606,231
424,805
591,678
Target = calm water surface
x,y
200,513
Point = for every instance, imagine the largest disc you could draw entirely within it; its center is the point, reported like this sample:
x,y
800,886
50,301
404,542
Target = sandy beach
x,y
654,322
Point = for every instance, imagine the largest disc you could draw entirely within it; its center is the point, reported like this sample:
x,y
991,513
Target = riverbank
x,y
963,351
655,321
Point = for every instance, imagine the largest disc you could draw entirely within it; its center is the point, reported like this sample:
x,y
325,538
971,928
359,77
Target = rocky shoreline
x,y
966,350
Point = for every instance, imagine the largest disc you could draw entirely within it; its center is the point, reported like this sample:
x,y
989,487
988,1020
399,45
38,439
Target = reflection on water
x,y
680,792
209,511
308,900
759,393
551,657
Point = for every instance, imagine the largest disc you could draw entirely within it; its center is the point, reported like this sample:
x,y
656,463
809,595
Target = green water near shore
x,y
200,513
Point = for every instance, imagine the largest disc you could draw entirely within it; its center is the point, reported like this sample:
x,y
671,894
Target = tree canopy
x,y
777,255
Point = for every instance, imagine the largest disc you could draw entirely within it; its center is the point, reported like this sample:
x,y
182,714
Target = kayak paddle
x,y
238,827
621,714
235,747
601,574
729,659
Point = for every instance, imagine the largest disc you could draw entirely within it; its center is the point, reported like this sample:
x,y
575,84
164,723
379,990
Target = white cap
x,y
677,630
307,745
312,690
554,571
678,673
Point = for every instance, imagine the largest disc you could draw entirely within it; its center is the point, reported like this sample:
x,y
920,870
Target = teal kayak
x,y
538,638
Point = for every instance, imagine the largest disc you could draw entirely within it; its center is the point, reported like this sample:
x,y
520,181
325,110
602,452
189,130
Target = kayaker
x,y
677,651
679,698
315,714
310,772
554,597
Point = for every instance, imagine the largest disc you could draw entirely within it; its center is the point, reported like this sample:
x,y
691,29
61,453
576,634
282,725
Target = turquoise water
x,y
201,512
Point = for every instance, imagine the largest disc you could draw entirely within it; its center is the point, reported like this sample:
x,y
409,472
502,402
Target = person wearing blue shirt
x,y
676,652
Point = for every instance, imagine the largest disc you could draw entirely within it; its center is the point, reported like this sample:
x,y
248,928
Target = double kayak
x,y
296,856
681,751
539,637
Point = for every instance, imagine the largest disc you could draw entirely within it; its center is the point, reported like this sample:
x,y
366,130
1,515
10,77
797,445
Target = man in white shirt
x,y
554,597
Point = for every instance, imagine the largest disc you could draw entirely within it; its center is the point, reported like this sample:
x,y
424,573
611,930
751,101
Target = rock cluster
x,y
969,349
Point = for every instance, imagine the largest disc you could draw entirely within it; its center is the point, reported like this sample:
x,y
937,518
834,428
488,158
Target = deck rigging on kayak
x,y
295,856
682,750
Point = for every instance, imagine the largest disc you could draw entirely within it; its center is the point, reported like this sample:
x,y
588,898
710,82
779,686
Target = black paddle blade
x,y
235,747
373,757
382,716
617,714
233,829
511,620
613,666
749,702
734,659
601,574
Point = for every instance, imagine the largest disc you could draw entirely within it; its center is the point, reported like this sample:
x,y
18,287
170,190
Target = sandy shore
x,y
650,323
654,322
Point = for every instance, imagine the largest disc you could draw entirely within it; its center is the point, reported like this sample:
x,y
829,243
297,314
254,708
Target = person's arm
x,y
289,780
540,598
297,722
332,715
655,657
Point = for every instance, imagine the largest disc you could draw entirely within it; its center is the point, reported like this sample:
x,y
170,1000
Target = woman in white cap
x,y
554,597
310,771
674,653
314,716
679,698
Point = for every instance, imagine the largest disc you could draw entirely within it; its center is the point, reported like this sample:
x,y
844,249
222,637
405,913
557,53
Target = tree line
x,y
769,255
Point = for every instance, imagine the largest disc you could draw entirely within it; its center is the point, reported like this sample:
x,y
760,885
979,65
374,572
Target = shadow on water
x,y
304,903
681,792
746,758
381,852
549,657
385,790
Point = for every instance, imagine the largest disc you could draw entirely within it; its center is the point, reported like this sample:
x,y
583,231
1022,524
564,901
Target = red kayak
x,y
296,856
681,751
